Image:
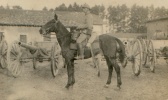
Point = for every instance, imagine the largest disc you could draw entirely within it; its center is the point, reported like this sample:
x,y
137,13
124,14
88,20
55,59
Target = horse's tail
x,y
122,53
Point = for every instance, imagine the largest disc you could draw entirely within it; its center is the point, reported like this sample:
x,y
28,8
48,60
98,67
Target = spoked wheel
x,y
54,61
167,61
135,57
3,53
14,60
151,55
144,51
3,61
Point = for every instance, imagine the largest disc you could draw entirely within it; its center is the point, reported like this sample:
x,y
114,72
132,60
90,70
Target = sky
x,y
40,4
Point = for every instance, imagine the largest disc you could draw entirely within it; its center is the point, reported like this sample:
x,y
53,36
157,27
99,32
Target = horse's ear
x,y
55,17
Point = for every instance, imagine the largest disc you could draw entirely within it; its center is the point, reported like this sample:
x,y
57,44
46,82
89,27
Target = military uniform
x,y
88,25
85,36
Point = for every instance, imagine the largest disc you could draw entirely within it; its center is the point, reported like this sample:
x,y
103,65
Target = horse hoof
x,y
67,86
98,74
119,87
72,83
71,87
106,86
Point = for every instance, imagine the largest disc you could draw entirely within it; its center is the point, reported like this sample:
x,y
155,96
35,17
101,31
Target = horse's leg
x,y
65,64
110,70
98,61
70,73
117,69
93,57
73,72
69,78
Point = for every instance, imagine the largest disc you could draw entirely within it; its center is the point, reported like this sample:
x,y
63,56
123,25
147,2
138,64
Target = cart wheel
x,y
151,56
167,61
54,61
144,51
136,57
14,60
3,62
54,68
3,53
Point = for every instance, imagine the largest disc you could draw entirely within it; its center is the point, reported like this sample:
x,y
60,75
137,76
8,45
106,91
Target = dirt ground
x,y
40,85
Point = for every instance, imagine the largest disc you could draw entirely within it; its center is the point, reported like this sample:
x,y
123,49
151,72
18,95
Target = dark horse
x,y
109,46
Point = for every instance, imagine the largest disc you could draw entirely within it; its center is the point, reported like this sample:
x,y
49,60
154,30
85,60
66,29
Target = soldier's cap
x,y
85,6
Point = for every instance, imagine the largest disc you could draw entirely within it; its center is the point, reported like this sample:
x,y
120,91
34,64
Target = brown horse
x,y
109,46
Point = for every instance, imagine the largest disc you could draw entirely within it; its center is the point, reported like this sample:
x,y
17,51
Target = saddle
x,y
77,38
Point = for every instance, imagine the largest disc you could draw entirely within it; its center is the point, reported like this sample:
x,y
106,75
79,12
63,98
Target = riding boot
x,y
81,52
73,45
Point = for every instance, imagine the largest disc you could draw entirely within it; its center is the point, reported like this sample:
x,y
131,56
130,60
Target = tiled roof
x,y
157,19
39,18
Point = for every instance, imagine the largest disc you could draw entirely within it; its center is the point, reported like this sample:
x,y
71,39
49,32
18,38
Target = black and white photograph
x,y
83,50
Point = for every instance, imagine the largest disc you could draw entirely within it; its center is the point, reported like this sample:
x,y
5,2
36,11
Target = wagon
x,y
134,55
3,53
20,53
145,52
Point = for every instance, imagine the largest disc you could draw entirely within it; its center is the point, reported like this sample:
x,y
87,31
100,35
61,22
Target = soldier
x,y
83,39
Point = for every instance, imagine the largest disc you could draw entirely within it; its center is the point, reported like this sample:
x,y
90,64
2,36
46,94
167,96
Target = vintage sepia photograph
x,y
83,50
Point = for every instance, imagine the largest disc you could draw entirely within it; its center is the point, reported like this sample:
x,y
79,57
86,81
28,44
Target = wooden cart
x,y
141,52
134,55
3,54
43,51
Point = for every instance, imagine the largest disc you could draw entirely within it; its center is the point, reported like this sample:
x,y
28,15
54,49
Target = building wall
x,y
152,27
106,26
12,33
160,44
98,29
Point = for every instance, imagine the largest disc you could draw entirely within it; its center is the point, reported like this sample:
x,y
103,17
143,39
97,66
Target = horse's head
x,y
50,26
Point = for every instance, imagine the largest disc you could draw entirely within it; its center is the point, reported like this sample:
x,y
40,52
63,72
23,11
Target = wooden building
x,y
24,25
157,28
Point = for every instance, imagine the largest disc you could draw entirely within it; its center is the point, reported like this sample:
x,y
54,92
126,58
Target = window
x,y
23,38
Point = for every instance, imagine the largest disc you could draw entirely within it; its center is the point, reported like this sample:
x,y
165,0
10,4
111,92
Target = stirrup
x,y
78,57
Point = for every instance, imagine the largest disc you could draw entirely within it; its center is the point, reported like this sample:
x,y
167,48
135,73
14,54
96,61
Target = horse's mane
x,y
63,33
60,25
63,28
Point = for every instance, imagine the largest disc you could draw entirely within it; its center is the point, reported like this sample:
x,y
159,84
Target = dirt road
x,y
40,85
